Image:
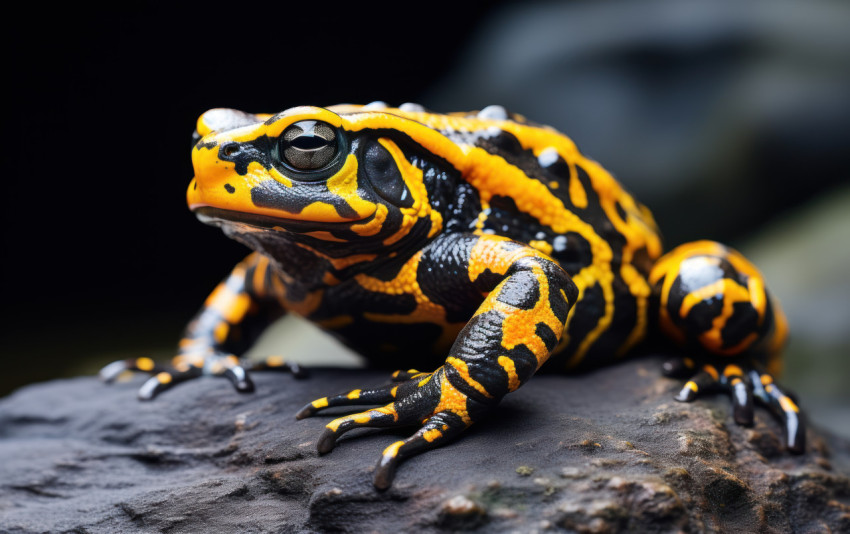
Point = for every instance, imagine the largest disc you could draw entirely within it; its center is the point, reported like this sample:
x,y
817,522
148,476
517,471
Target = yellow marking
x,y
393,391
220,332
692,386
736,381
231,360
421,207
787,404
275,361
711,371
519,326
542,246
716,289
554,184
689,362
164,378
452,400
461,367
392,450
274,173
578,196
325,236
431,435
406,282
231,306
145,364
424,381
766,379
373,226
320,403
217,368
344,184
259,279
510,369
733,370
353,394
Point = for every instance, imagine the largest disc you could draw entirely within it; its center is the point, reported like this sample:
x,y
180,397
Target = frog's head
x,y
343,178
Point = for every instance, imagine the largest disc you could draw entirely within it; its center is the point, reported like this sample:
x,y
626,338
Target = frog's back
x,y
536,187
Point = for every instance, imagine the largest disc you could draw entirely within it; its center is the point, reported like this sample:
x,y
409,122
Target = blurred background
x,y
731,120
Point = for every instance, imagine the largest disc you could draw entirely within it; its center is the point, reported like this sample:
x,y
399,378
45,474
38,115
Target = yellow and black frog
x,y
476,246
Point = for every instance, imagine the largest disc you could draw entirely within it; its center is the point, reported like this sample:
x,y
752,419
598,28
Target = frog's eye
x,y
308,145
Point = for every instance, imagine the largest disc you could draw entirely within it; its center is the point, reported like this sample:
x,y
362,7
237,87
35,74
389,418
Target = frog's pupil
x,y
308,141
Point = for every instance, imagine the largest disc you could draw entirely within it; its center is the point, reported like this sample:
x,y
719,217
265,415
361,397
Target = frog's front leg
x,y
526,299
714,301
232,317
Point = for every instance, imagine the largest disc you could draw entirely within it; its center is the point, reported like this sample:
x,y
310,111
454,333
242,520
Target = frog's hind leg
x,y
714,301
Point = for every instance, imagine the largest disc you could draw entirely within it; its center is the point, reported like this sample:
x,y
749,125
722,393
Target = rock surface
x,y
603,452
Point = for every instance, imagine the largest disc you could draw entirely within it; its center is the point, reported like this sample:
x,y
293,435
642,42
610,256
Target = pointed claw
x,y
788,412
742,402
355,397
701,382
155,385
111,371
239,378
385,472
327,441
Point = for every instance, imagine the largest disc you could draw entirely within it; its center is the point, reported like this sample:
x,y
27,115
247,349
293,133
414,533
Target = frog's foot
x,y
742,382
188,366
426,399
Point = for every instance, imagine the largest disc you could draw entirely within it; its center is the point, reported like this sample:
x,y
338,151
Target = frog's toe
x,y
165,380
743,387
428,400
780,402
355,397
183,367
403,376
386,416
277,363
436,431
146,365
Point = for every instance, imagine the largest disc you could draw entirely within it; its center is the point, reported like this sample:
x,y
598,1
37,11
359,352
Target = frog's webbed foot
x,y
743,382
414,398
188,366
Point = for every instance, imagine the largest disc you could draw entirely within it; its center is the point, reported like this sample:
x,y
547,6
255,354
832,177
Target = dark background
x,y
731,120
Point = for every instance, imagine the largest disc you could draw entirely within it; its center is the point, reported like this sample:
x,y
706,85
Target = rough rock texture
x,y
603,452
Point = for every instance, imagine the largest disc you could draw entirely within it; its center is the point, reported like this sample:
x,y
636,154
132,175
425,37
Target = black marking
x,y
379,167
521,290
620,211
272,194
243,154
546,334
443,276
742,323
230,189
588,311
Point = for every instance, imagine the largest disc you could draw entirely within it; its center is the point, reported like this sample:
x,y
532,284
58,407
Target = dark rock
x,y
608,451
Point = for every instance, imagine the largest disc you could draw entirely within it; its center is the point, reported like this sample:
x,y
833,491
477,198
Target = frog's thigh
x,y
713,296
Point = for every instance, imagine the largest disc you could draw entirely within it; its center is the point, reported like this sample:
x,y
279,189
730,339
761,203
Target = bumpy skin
x,y
478,243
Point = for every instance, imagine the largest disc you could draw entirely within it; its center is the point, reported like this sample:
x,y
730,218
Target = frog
x,y
476,246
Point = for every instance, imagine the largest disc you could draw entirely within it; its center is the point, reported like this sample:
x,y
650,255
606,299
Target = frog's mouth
x,y
220,216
